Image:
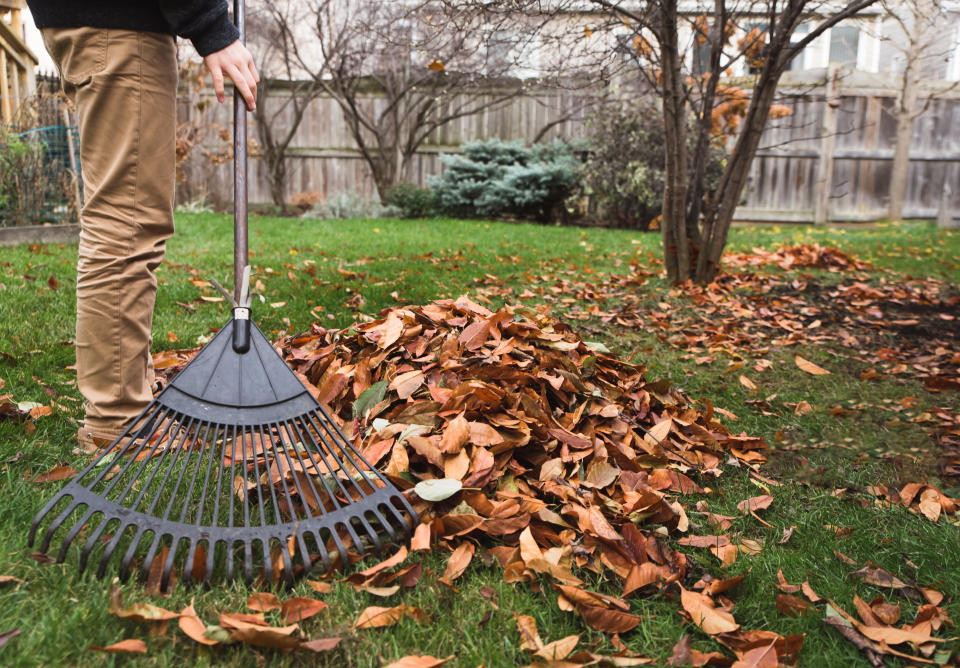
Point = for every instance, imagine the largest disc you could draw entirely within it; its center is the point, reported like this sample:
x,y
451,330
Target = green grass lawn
x,y
331,272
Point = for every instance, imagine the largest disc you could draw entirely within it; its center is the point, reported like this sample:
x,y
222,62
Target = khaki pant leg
x,y
123,84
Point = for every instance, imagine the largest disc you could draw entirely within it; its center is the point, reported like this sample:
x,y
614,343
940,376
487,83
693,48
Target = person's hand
x,y
235,62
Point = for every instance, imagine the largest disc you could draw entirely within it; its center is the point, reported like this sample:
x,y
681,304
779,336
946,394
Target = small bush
x,y
412,200
624,174
496,178
349,204
304,201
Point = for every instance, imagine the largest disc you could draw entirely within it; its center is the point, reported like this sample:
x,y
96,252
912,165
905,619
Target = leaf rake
x,y
234,466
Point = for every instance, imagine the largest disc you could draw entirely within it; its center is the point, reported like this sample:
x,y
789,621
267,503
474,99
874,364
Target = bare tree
x,y
284,95
917,24
688,75
399,71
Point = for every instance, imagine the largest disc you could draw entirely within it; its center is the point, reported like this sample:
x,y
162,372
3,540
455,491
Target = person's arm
x,y
207,24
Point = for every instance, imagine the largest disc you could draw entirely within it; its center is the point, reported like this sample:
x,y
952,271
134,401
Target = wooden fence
x,y
324,157
829,160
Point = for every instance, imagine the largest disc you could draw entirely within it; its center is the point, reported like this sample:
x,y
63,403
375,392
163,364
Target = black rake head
x,y
233,467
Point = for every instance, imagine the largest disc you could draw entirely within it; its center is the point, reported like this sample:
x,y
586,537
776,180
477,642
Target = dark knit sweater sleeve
x,y
204,22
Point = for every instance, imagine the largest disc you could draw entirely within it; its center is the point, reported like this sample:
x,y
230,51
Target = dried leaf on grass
x,y
704,614
191,624
418,661
375,617
144,612
130,646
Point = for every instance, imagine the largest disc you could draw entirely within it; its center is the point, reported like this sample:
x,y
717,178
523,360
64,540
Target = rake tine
x,y
248,561
211,549
267,562
65,544
322,547
186,575
92,542
151,555
129,554
111,546
31,537
168,565
52,529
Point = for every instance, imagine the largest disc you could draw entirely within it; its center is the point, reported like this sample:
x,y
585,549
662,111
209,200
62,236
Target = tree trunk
x,y
735,175
676,246
906,112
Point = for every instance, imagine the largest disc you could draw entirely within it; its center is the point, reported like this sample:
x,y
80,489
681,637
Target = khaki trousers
x,y
123,84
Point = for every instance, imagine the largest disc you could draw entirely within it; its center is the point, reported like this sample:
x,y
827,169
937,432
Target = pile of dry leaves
x,y
568,462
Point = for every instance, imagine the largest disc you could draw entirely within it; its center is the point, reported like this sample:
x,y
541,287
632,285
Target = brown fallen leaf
x,y
320,587
56,473
418,661
375,617
141,612
609,621
320,644
873,656
558,649
793,606
267,636
704,613
755,503
421,538
130,646
300,608
810,367
681,652
529,636
6,636
191,624
263,602
759,657
458,562
390,562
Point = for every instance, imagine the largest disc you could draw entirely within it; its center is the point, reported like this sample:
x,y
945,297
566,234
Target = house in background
x,y
18,64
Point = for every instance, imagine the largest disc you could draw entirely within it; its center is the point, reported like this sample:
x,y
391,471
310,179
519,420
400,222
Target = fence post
x,y
828,144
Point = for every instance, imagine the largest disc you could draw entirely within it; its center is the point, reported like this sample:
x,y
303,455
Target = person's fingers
x,y
253,70
243,85
217,74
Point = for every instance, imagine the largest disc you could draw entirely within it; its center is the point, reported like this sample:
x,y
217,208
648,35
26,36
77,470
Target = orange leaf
x,y
191,624
810,367
792,606
387,563
123,647
455,435
320,587
759,657
300,608
755,503
607,620
421,538
141,612
56,473
320,644
705,615
419,661
458,562
558,649
376,617
263,602
529,636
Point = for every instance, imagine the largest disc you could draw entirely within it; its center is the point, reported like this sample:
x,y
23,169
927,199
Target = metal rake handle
x,y
241,252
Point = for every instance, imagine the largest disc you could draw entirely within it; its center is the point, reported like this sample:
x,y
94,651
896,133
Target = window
x,y
798,61
844,41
